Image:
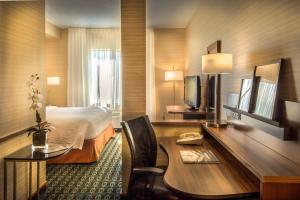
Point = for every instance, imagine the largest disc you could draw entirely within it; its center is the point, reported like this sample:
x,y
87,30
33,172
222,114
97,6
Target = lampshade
x,y
173,75
53,80
218,63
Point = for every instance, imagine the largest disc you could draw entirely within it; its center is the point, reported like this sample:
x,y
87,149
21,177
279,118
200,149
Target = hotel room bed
x,y
87,129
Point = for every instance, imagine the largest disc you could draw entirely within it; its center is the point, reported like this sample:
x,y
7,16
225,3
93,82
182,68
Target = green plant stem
x,y
38,118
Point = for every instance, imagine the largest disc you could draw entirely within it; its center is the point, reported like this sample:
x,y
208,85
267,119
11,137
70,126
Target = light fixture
x,y
218,63
53,80
173,75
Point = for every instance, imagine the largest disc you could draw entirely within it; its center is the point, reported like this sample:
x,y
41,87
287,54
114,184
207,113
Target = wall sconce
x,y
53,80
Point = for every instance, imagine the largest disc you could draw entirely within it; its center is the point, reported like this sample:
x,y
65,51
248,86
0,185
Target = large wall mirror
x,y
245,94
267,91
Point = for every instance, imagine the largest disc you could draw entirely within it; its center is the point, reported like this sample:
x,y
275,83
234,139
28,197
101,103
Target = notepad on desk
x,y
198,156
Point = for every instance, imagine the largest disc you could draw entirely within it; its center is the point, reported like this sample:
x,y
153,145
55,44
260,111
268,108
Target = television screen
x,y
192,91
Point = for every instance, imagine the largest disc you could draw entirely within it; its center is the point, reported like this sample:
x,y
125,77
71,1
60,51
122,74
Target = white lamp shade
x,y
173,75
218,63
53,80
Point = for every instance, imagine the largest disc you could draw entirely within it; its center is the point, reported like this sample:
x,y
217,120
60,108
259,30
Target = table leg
x,y
15,181
30,179
38,180
5,181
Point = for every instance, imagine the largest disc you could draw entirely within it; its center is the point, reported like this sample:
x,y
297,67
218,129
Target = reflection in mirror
x,y
245,94
267,89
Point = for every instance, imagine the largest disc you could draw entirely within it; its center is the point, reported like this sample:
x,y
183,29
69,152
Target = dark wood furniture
x,y
279,177
188,113
206,181
26,154
178,122
252,115
248,167
279,130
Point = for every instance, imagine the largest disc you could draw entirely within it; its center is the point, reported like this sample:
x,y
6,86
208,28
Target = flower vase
x,y
39,141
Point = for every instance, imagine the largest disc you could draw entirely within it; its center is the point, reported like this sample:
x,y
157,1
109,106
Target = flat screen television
x,y
192,91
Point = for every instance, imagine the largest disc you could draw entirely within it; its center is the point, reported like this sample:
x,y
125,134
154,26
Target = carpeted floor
x,y
100,180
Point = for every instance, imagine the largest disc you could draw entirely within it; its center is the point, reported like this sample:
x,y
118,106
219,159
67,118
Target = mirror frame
x,y
274,114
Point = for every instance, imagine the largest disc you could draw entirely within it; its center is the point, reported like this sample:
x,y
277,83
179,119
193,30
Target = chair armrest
x,y
148,170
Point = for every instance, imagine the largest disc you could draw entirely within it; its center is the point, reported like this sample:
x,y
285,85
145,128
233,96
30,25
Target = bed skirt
x,y
90,151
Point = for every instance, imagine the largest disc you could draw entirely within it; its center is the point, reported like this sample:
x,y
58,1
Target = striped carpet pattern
x,y
99,180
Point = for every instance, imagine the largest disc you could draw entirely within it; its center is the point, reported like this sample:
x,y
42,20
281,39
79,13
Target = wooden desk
x,y
279,177
187,113
208,181
247,167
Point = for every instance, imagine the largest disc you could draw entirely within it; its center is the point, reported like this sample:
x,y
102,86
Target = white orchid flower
x,y
39,105
40,97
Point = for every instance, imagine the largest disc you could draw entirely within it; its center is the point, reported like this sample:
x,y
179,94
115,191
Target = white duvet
x,y
75,124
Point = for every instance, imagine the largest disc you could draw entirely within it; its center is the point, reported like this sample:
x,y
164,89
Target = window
x,y
105,78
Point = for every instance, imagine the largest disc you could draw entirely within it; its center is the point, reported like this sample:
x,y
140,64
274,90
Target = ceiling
x,y
84,13
171,13
106,13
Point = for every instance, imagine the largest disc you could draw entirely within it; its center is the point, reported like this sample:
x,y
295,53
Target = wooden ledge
x,y
265,163
178,122
17,133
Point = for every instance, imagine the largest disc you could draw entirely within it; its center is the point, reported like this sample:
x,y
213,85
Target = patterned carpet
x,y
100,180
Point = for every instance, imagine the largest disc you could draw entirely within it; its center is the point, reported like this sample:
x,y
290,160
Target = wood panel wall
x,y
133,37
56,61
22,36
169,51
133,44
255,32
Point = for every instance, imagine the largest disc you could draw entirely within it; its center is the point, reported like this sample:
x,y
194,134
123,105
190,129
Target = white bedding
x,y
75,124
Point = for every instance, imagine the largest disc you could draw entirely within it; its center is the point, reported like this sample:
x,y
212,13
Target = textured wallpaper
x,y
255,32
22,37
169,50
22,32
56,62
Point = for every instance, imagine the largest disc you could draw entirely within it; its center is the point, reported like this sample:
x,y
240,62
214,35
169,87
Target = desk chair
x,y
146,180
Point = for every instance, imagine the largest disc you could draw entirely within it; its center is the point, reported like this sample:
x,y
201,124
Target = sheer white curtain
x,y
77,68
100,58
104,64
105,78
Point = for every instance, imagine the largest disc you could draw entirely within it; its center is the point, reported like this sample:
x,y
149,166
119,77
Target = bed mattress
x,y
73,125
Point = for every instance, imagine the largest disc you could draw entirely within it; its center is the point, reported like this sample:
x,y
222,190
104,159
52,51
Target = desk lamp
x,y
217,64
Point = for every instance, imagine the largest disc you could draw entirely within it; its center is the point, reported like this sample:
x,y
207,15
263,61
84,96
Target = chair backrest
x,y
142,142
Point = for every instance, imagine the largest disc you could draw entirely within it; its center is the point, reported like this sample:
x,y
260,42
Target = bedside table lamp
x,y
218,63
174,75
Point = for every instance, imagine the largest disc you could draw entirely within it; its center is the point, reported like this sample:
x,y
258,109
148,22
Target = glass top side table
x,y
26,154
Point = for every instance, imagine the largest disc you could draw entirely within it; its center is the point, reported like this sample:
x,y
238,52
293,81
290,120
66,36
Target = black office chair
x,y
146,180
